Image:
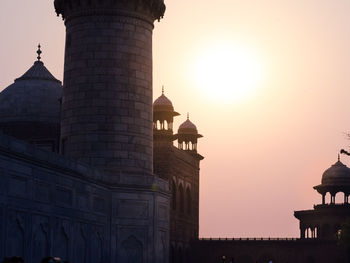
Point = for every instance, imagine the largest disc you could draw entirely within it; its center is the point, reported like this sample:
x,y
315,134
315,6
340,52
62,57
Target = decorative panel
x,y
63,196
17,186
132,209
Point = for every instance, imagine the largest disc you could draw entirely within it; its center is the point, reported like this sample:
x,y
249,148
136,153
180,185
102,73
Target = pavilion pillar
x,y
302,233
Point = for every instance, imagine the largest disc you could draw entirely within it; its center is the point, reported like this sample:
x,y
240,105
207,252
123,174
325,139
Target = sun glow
x,y
226,72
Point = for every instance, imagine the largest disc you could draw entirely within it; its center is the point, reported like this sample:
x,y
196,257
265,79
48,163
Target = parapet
x,y
148,9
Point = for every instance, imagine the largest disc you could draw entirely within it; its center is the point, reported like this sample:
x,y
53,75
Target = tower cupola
x,y
335,179
187,136
325,220
163,114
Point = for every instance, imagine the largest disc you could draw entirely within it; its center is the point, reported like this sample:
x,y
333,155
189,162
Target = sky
x,y
264,151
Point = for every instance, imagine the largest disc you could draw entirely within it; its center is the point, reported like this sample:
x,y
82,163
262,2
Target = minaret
x,y
107,87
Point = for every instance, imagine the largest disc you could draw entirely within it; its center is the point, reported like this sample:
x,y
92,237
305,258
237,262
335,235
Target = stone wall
x,y
51,205
181,169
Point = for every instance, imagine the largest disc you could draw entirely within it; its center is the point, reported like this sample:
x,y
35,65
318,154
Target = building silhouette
x,y
89,170
96,199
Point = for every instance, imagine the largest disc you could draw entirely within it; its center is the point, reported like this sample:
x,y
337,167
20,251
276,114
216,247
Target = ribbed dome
x,y
34,97
187,128
337,174
163,104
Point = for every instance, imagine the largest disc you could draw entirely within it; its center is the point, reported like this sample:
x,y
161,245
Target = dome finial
x,y
338,157
162,89
39,52
188,115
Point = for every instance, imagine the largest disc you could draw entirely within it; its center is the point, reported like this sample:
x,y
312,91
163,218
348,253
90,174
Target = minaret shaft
x,y
107,93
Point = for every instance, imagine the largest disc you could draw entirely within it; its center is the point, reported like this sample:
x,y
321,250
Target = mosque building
x,y
92,170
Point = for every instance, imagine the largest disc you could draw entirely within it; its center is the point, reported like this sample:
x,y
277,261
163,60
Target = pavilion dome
x,y
162,103
187,128
33,97
337,174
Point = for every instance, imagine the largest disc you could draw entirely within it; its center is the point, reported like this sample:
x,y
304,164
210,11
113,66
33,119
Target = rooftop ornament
x,y
39,52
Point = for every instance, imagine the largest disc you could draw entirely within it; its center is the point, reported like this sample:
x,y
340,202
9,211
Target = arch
x,y
96,244
40,244
61,244
188,201
132,250
328,198
339,198
316,230
173,195
80,247
181,199
194,146
15,239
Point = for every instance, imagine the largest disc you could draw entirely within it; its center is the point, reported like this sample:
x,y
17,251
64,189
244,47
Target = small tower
x,y
325,220
187,136
163,118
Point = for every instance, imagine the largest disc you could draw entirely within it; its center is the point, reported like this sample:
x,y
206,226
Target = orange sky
x,y
263,153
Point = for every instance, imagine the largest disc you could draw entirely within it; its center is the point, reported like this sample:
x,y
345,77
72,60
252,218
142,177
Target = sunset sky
x,y
266,82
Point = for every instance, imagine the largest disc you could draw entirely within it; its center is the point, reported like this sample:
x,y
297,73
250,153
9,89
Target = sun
x,y
226,72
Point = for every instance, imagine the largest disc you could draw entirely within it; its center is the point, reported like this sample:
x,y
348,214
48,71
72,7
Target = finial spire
x,y
39,52
188,115
338,157
162,89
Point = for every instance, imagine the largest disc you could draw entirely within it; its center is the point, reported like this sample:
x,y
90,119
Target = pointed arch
x,y
61,244
80,246
40,243
15,239
96,244
188,201
181,199
132,250
173,195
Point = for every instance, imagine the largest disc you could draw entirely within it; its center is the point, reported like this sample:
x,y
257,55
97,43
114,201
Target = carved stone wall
x,y
181,170
50,205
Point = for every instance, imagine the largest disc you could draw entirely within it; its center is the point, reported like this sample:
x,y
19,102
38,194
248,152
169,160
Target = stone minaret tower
x,y
107,93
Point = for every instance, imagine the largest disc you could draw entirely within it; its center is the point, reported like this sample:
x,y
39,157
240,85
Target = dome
x,y
187,128
34,97
163,104
337,174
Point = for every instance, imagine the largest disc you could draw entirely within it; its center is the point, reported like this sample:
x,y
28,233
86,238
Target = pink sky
x,y
262,154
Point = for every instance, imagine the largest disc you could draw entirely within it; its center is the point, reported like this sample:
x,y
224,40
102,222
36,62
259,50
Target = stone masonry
x,y
107,88
51,205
